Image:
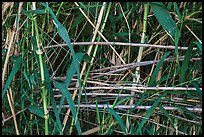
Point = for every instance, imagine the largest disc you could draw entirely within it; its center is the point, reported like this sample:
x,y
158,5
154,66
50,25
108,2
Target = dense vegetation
x,y
102,68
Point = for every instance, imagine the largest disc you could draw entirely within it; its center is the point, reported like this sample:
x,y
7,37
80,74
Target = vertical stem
x,y
44,91
139,57
96,47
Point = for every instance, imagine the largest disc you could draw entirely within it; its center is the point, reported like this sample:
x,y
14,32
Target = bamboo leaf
x,y
52,98
36,110
197,88
117,117
16,67
155,73
199,45
189,112
64,35
34,12
72,70
166,114
164,18
150,112
185,63
62,87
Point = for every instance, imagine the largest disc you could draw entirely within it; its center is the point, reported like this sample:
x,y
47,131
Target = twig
x,y
136,89
122,44
193,109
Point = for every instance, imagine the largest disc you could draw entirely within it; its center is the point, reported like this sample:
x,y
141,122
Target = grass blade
x,y
52,99
199,45
16,67
185,63
62,87
164,18
166,114
149,113
34,12
36,110
155,73
64,35
72,70
117,117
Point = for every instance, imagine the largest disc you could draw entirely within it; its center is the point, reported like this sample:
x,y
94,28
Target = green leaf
x,y
78,20
189,112
16,67
164,18
34,11
199,45
26,77
150,112
62,87
155,73
64,35
177,11
117,117
197,88
36,110
185,63
52,98
97,112
166,114
72,70
177,37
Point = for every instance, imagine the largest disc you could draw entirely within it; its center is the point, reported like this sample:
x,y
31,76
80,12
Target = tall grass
x,y
107,68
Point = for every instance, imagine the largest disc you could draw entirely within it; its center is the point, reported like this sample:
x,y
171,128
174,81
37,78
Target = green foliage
x,y
43,68
68,96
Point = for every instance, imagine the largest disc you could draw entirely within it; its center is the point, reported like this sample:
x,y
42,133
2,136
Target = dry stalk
x,y
193,109
13,112
85,63
122,44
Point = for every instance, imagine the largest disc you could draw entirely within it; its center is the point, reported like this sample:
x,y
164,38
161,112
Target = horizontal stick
x,y
138,88
193,109
120,43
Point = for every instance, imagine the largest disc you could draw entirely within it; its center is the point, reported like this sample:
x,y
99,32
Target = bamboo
x,y
121,44
193,109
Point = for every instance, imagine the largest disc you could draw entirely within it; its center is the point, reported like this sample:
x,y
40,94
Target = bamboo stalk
x,y
121,44
193,109
138,89
13,112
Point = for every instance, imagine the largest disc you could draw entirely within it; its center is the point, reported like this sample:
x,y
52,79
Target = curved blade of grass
x,y
199,45
117,117
52,99
16,67
197,88
164,18
185,63
155,73
64,35
34,11
36,110
177,11
26,78
166,114
138,103
189,112
72,70
97,113
150,112
62,87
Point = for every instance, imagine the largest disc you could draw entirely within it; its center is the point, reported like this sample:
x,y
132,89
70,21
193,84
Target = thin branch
x,y
122,44
137,89
193,109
